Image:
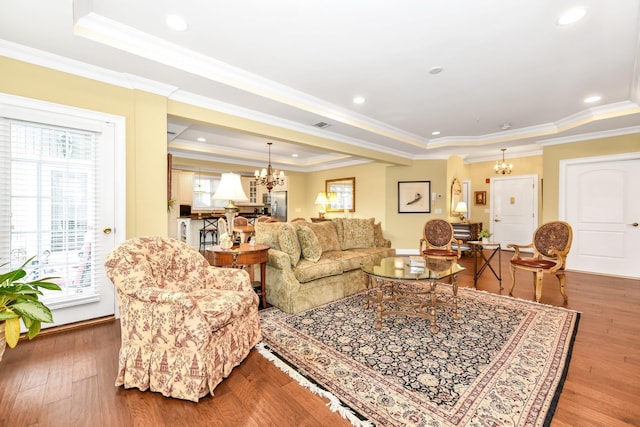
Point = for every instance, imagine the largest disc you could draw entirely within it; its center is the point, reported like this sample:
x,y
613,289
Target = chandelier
x,y
269,177
503,167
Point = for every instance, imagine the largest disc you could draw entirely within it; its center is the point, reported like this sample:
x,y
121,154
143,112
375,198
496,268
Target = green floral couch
x,y
311,264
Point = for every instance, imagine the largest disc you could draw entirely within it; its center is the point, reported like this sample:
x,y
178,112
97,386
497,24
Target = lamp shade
x,y
461,207
321,199
230,188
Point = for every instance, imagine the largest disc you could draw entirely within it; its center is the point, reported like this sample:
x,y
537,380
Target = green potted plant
x,y
484,235
19,299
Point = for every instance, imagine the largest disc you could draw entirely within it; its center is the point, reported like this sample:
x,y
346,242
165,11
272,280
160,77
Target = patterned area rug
x,y
501,362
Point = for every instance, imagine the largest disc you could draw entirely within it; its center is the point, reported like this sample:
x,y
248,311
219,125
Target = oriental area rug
x,y
500,362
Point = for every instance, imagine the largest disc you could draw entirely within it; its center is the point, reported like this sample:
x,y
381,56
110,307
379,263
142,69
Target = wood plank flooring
x,y
66,378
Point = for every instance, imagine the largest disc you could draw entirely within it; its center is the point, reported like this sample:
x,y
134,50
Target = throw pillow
x,y
289,243
267,233
358,233
378,237
325,231
311,249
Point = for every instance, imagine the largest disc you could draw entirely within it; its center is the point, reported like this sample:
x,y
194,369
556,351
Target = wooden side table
x,y
239,256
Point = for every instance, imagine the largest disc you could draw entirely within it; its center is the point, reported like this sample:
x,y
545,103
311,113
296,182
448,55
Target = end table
x,y
479,247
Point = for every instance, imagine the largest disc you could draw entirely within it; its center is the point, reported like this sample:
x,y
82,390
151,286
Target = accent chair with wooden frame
x,y
551,244
437,239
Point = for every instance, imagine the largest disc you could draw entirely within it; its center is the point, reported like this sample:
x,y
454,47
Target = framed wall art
x,y
414,197
480,197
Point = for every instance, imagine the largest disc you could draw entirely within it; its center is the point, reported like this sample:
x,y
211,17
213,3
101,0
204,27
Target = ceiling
x,y
511,77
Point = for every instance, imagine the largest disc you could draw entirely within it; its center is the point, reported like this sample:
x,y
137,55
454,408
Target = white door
x,y
600,198
514,209
58,170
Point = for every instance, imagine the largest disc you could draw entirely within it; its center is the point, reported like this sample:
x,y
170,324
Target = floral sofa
x,y
184,324
311,264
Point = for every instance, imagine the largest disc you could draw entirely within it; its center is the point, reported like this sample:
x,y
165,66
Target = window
x,y
48,181
203,201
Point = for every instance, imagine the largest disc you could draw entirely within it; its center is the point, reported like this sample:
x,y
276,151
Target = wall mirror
x,y
341,194
456,196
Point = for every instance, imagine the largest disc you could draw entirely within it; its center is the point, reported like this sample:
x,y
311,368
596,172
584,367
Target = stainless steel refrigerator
x,y
279,205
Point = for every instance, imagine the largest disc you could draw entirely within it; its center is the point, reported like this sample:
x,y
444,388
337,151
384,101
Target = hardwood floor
x,y
66,379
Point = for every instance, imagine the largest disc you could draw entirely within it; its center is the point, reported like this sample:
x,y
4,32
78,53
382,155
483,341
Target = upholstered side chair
x,y
436,247
551,244
437,239
184,324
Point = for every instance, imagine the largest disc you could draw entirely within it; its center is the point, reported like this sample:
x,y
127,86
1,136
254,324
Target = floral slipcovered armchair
x,y
184,324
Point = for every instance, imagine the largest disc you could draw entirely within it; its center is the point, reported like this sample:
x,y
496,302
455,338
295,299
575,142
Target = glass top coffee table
x,y
396,287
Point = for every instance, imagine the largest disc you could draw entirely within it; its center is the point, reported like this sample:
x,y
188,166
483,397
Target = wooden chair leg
x,y
562,281
513,279
538,283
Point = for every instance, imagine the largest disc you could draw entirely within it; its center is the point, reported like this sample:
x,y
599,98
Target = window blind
x,y
49,182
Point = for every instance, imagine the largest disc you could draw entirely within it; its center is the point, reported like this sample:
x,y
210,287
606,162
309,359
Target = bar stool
x,y
209,227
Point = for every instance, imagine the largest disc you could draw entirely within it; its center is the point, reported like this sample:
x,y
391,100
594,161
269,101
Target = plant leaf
x,y
12,331
35,310
34,329
5,315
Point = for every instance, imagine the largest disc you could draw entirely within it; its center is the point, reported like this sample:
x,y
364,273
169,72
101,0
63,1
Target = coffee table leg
x,y
454,287
434,302
379,304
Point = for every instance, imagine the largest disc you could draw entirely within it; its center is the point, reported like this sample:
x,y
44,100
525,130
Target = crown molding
x,y
81,69
111,33
589,136
245,113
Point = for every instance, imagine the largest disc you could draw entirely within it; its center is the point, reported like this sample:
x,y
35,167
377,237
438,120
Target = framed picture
x,y
414,197
480,197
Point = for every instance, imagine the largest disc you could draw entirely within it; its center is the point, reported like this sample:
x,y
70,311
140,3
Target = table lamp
x,y
230,189
461,209
321,199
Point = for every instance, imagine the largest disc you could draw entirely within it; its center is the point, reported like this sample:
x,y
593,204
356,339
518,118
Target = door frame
x,y
23,105
563,185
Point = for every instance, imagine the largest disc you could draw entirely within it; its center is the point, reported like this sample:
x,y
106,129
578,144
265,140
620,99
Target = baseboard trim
x,y
72,326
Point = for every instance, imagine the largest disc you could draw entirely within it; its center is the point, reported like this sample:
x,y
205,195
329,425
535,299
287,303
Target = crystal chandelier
x,y
503,168
269,177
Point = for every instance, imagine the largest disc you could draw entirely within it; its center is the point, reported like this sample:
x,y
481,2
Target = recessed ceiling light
x,y
358,100
435,132
592,99
176,23
572,16
294,155
436,70
201,139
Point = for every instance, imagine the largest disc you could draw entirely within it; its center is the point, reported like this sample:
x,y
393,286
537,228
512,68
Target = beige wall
x,y
405,230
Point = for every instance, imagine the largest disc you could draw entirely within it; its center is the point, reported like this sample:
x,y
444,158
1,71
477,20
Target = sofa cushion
x,y
311,249
306,271
326,233
376,254
267,233
350,260
358,233
289,243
